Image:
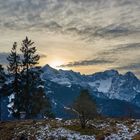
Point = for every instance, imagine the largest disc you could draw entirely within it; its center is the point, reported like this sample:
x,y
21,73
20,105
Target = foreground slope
x,y
98,129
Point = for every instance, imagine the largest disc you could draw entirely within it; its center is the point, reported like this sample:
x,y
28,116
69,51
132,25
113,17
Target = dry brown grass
x,y
7,130
136,137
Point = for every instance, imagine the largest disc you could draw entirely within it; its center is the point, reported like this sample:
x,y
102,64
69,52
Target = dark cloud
x,y
109,57
108,32
87,63
73,16
125,47
117,49
111,31
108,21
42,55
132,66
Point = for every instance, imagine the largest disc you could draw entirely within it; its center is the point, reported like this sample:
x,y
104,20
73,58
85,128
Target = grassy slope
x,y
98,127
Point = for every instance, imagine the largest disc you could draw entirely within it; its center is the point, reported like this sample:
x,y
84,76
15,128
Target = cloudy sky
x,y
82,35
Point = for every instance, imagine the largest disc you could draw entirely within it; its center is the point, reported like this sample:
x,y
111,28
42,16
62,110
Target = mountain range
x,y
116,95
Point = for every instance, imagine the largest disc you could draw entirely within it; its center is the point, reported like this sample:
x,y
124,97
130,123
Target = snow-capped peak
x,y
110,83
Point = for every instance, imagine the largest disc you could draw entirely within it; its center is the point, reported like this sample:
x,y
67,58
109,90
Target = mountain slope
x,y
116,94
110,83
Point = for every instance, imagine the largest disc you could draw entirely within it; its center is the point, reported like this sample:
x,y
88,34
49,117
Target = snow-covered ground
x,y
56,130
47,132
61,133
125,132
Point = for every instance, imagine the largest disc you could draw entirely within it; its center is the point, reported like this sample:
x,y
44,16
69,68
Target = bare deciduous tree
x,y
85,108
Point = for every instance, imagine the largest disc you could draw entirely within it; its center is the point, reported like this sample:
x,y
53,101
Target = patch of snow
x,y
40,86
69,86
102,85
10,105
8,82
46,132
67,108
61,81
59,119
54,102
124,132
136,89
11,97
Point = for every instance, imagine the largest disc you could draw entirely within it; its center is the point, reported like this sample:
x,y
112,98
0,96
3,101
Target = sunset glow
x,y
56,63
82,35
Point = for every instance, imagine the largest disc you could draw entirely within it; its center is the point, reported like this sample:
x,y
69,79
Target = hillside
x,y
98,129
116,95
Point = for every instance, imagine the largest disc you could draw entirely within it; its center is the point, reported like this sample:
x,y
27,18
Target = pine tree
x,y
2,81
34,100
14,70
29,60
27,85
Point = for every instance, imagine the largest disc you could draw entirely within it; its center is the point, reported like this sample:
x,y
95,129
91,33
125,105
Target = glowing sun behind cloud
x,y
55,63
93,35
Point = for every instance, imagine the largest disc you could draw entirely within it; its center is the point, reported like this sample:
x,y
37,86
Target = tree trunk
x,y
82,121
0,107
27,86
